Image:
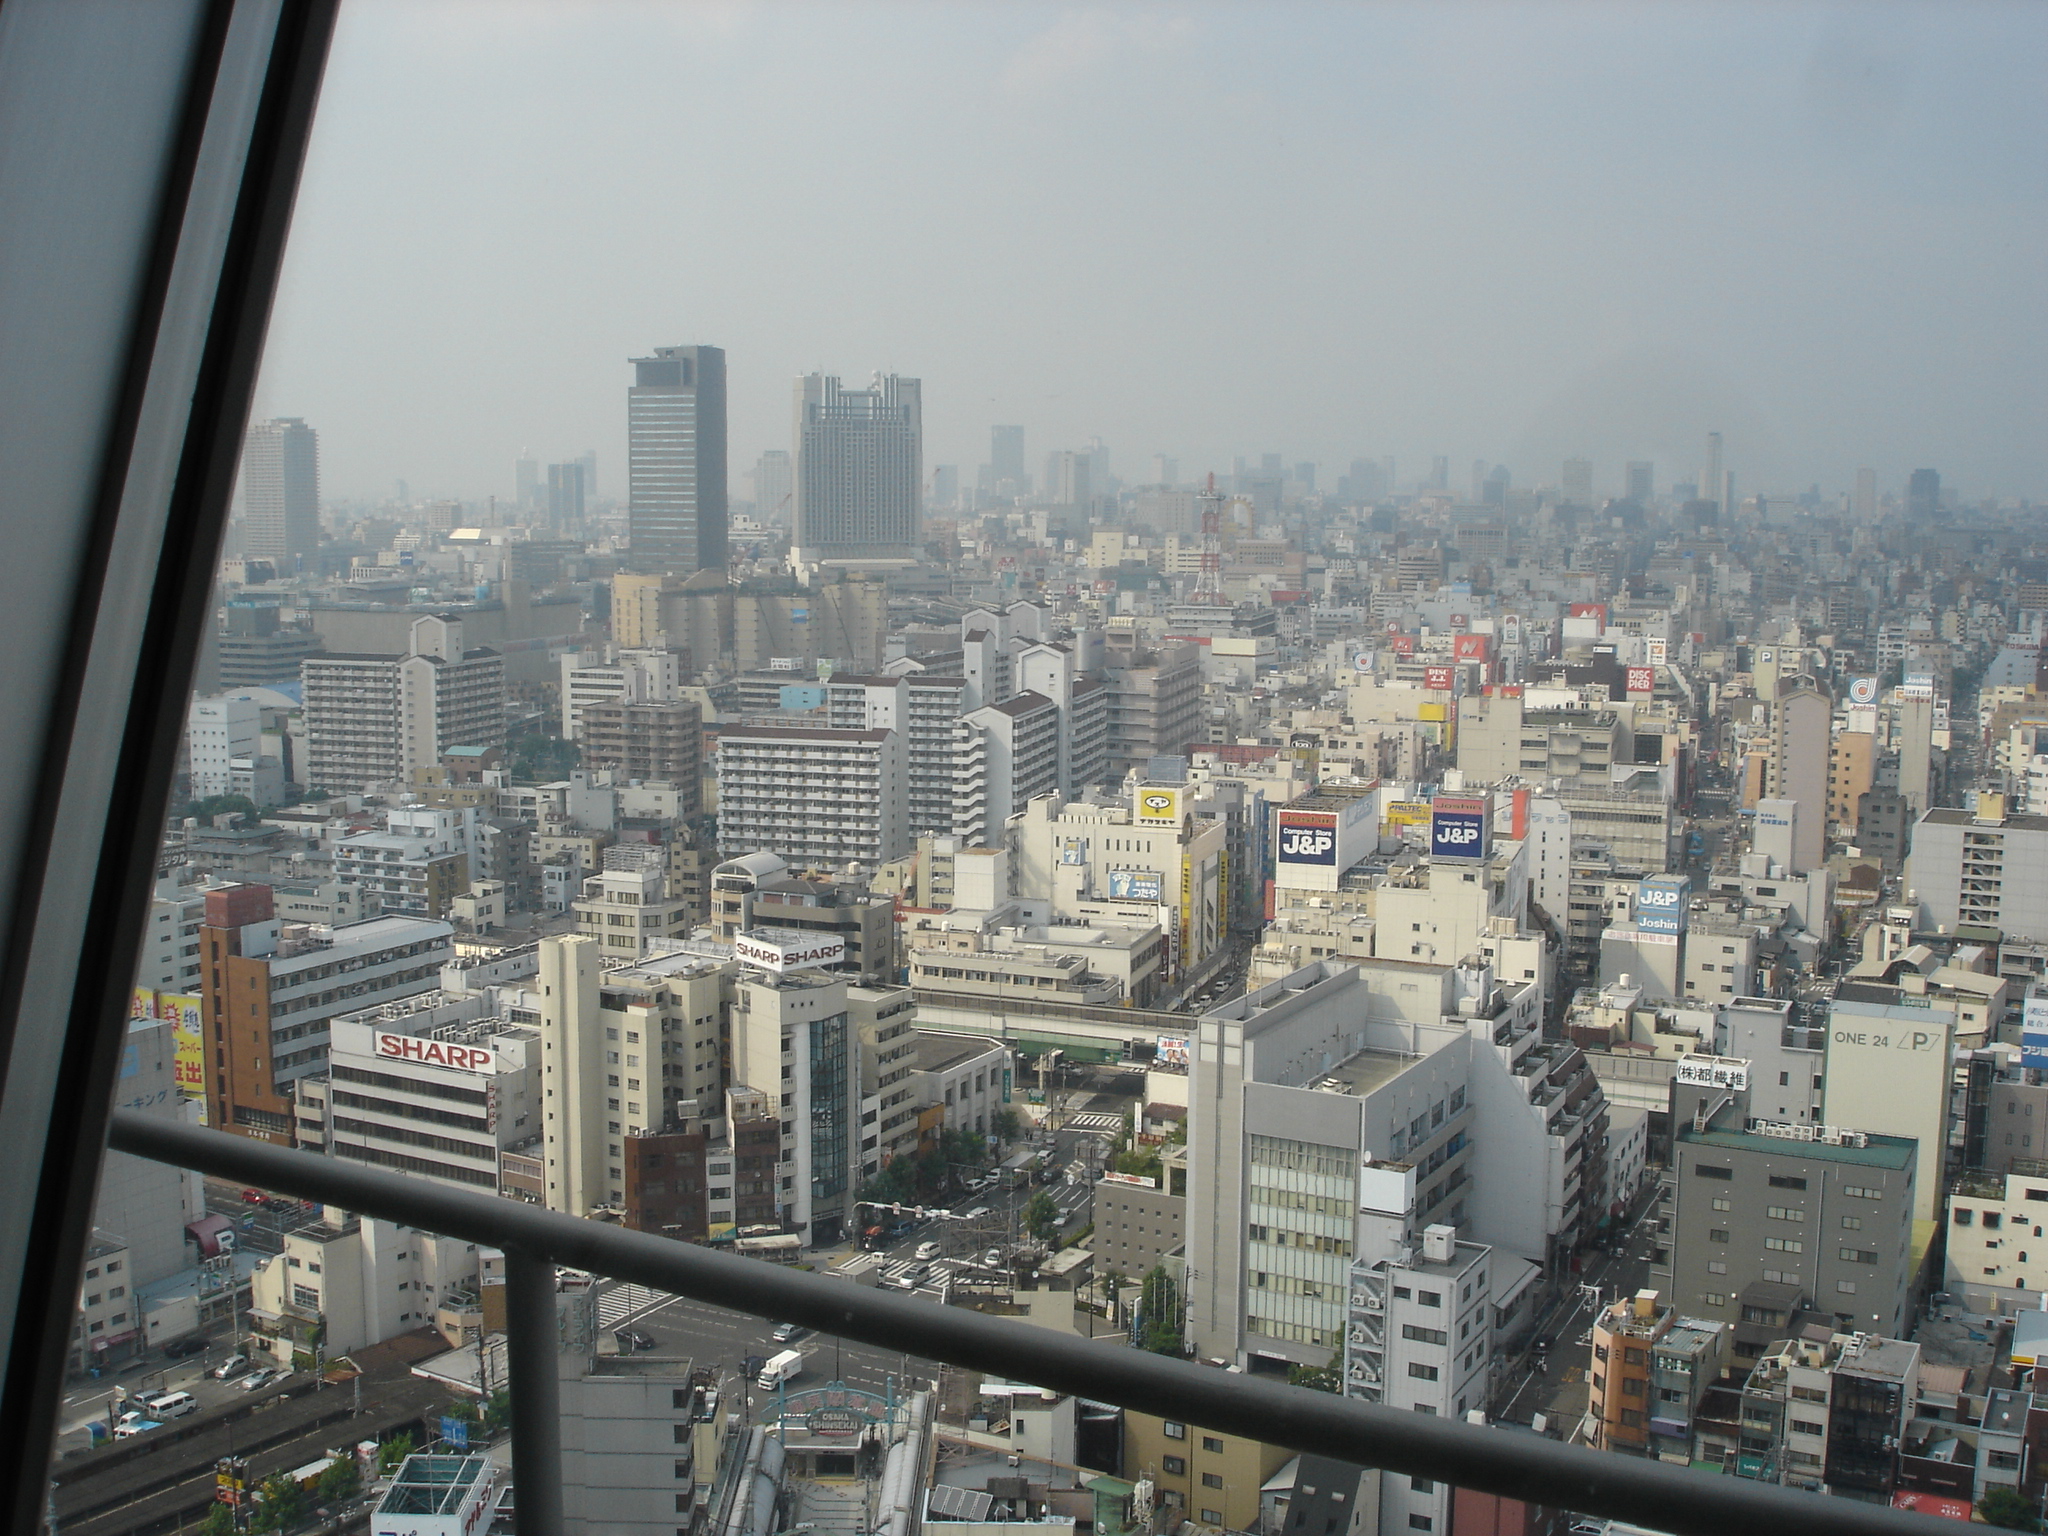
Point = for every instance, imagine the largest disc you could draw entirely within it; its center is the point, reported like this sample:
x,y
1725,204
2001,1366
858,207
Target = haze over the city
x,y
1511,233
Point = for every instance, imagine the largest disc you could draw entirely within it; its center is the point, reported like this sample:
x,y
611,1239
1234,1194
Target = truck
x,y
780,1368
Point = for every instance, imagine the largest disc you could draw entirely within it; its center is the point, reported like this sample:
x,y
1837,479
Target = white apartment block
x,y
357,1281
814,797
1997,1257
632,676
378,720
218,733
627,906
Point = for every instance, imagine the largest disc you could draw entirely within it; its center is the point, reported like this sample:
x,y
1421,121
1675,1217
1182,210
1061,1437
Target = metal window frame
x,y
1492,1460
149,156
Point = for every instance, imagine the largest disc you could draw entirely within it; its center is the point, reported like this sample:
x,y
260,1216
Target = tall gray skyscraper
x,y
773,487
565,495
1639,482
1923,494
859,469
1713,484
1006,459
1576,483
675,441
281,491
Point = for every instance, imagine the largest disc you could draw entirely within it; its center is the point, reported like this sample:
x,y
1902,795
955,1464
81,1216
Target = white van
x,y
170,1405
783,1367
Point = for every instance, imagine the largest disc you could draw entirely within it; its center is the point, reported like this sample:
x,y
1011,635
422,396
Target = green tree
x,y
280,1505
1159,1309
1317,1378
496,1410
1142,1161
338,1482
2009,1508
219,1521
537,756
1006,1123
1041,1215
393,1451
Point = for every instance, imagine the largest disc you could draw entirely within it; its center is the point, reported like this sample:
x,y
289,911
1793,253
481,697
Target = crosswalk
x,y
1094,1122
624,1301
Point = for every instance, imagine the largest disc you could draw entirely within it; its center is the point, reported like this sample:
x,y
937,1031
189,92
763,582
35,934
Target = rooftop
x,y
1892,1152
1359,1075
434,1485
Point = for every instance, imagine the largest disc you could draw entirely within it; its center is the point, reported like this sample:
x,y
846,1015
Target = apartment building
x,y
417,866
1985,867
268,998
379,719
1829,1416
1996,1258
629,905
1155,702
966,1077
344,1281
813,797
649,741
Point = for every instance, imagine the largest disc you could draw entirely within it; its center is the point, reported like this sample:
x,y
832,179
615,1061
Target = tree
x,y
204,811
1006,1123
1317,1378
1159,1314
2010,1508
340,1481
280,1505
393,1451
538,756
219,1521
1041,1215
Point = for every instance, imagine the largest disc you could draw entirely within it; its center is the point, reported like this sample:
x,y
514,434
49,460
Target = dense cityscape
x,y
1565,950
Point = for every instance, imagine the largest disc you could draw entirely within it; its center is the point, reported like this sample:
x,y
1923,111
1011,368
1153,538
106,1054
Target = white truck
x,y
780,1368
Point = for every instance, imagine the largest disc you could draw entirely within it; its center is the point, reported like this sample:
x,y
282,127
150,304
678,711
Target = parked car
x,y
180,1349
231,1367
253,1197
132,1423
261,1378
170,1405
630,1339
927,1251
993,1258
787,1332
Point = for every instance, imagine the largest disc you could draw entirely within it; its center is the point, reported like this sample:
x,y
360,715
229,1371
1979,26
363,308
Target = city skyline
x,y
1569,233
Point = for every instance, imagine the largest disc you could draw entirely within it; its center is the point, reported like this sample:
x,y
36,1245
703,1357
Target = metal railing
x,y
1520,1466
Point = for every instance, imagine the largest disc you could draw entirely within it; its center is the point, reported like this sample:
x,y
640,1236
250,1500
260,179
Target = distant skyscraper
x,y
1923,494
1440,472
1479,467
526,481
1641,482
1712,486
1006,458
1165,471
945,488
1576,483
773,486
1069,478
281,491
565,495
1865,503
675,432
859,469
588,459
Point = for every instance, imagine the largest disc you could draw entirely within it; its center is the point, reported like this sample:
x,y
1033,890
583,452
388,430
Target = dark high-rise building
x,y
675,438
859,469
1923,493
566,492
281,492
1006,457
1637,482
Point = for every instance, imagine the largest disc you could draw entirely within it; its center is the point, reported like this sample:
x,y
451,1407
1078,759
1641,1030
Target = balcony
x,y
534,1241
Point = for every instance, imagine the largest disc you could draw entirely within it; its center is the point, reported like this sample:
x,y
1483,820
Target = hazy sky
x,y
1495,231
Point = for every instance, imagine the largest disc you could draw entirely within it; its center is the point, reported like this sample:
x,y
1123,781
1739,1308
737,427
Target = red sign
x,y
1941,1505
1590,611
1404,645
1642,679
436,1053
1471,647
1460,622
1437,679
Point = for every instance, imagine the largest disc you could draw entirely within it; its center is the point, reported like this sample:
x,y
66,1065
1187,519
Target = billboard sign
x,y
1460,827
1471,647
1511,629
436,1053
1918,686
1460,622
1712,1072
1657,652
1404,645
1863,690
1437,679
1642,680
2034,1033
1595,611
1365,661
1308,837
1157,806
1170,1050
188,1069
1408,813
786,949
1660,903
1134,885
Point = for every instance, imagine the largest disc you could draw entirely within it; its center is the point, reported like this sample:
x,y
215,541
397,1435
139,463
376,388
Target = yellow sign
x,y
189,1069
143,1004
1158,806
1408,813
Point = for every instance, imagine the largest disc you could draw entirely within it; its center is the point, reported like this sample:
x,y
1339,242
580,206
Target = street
x,y
1556,1385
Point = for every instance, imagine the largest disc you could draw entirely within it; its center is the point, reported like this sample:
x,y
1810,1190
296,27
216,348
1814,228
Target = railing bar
x,y
531,1335
1512,1465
